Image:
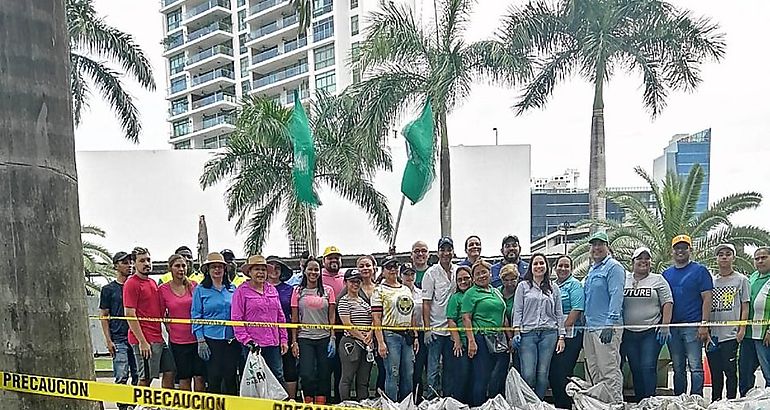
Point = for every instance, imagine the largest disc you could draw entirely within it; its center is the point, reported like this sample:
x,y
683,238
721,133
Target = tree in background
x,y
258,167
92,41
596,39
97,260
674,214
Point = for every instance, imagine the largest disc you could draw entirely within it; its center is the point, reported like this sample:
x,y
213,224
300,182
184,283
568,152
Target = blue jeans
x,y
273,359
686,350
537,348
457,370
438,352
124,364
753,354
487,370
399,365
642,349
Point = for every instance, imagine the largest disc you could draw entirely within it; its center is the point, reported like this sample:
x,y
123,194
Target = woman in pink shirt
x,y
258,301
175,302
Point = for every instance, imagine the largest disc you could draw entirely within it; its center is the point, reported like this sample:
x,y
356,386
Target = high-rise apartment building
x,y
681,154
218,51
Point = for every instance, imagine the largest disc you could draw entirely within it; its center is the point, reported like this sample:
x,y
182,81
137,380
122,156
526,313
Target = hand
x,y
111,348
295,350
253,348
663,335
429,337
516,342
284,348
145,349
766,340
606,335
560,346
457,349
472,348
416,345
367,338
331,349
741,334
203,351
382,349
703,333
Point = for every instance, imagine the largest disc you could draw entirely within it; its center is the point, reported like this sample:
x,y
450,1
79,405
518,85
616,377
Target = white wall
x,y
152,199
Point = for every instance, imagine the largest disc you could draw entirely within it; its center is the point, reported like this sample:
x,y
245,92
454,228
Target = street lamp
x,y
565,226
495,130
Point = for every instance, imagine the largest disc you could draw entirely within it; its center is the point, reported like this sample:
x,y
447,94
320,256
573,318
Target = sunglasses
x,y
391,266
355,281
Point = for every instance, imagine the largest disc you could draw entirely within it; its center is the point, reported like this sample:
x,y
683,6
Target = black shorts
x,y
188,363
289,367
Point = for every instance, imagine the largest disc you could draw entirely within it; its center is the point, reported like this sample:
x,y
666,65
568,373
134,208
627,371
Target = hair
x,y
185,280
509,269
370,257
480,263
569,258
469,238
457,272
762,248
139,251
545,285
303,283
207,282
418,243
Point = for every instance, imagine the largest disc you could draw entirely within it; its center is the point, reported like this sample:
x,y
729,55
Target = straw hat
x,y
254,260
213,257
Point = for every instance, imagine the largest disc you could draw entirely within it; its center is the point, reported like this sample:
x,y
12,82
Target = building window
x,y
245,66
323,29
178,84
181,128
353,4
173,19
242,20
354,25
324,56
355,51
242,39
241,3
179,106
176,63
245,87
321,7
326,82
356,75
183,145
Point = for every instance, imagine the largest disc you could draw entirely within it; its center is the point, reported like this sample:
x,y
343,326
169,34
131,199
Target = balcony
x,y
214,120
211,75
264,5
208,29
177,87
280,75
273,27
174,111
206,6
209,52
276,51
212,99
288,97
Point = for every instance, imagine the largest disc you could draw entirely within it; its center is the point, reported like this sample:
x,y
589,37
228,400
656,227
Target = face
x,y
563,268
725,258
510,282
481,276
258,273
681,252
332,263
143,263
599,250
217,270
312,272
762,260
179,269
408,277
511,251
390,270
473,247
642,263
419,254
445,254
125,267
538,266
463,280
274,272
353,285
366,268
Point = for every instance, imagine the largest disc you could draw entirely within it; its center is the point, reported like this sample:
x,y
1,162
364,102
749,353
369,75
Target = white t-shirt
x,y
395,303
437,287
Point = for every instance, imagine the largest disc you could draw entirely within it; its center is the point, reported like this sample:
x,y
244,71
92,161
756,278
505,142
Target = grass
x,y
103,363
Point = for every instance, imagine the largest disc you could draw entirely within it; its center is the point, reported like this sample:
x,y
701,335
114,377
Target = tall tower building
x,y
681,154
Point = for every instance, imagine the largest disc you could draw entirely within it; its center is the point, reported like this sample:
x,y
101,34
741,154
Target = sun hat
x,y
254,260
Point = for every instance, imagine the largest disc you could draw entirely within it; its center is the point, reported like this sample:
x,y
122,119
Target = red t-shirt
x,y
177,307
142,295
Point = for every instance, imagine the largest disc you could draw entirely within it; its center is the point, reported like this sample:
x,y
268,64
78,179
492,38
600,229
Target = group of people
x,y
450,329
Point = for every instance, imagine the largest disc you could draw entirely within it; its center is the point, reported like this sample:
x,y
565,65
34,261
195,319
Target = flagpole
x,y
403,198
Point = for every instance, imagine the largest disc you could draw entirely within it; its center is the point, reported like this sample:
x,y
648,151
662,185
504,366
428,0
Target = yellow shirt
x,y
196,277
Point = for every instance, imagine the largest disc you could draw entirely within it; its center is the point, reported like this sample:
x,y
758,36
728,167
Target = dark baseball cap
x,y
407,268
228,254
510,239
120,256
352,274
446,241
184,251
390,260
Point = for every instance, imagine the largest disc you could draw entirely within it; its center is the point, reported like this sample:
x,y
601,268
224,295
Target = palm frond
x,y
394,36
371,201
498,62
259,224
304,10
79,90
549,72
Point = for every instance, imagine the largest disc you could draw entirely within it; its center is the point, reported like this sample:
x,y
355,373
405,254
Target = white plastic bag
x,y
258,381
520,396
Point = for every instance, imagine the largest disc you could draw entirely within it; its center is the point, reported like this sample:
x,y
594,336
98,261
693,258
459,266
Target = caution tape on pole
x,y
216,322
143,396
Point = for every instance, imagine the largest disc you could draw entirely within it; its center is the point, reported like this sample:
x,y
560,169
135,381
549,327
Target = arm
x,y
668,309
518,309
559,312
703,330
426,313
332,311
163,309
106,331
382,348
616,280
196,312
135,327
428,290
468,324
294,319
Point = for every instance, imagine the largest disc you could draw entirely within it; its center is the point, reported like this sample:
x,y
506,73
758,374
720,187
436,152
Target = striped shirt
x,y
357,309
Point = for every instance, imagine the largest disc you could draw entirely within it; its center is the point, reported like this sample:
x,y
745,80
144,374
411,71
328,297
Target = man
x,y
331,270
730,303
140,299
192,274
231,269
472,250
116,331
755,348
437,286
691,285
603,312
510,250
419,258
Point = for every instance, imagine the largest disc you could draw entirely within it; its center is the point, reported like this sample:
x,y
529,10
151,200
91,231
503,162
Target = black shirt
x,y
112,300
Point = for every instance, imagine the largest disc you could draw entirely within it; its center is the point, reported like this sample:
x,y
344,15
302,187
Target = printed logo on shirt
x,y
724,299
637,293
405,305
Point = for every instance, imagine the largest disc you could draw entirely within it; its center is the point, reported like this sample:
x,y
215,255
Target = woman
x,y
393,306
366,267
572,305
176,302
459,364
509,274
313,303
258,301
538,323
408,275
647,302
217,346
277,276
356,346
755,347
483,307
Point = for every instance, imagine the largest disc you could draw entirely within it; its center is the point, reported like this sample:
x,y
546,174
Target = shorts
x,y
289,367
160,361
187,361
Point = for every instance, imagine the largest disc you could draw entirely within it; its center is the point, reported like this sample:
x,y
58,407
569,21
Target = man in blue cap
x,y
511,251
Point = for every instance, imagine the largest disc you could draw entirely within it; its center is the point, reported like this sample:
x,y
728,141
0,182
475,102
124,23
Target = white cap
x,y
722,246
640,250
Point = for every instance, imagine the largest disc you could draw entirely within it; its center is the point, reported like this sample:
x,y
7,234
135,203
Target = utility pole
x,y
495,130
565,227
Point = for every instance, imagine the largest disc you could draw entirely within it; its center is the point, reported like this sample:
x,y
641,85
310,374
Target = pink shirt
x,y
251,306
177,307
336,281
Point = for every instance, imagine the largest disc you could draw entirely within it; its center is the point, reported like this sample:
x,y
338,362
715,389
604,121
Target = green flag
x,y
418,173
303,170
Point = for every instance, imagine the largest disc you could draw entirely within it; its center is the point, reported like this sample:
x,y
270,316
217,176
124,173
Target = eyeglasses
x,y
681,247
420,251
391,266
355,281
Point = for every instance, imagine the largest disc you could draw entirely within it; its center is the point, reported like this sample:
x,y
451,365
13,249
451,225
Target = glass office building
x,y
681,154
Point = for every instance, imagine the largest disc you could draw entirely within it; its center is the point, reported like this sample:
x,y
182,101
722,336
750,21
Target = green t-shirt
x,y
419,274
453,308
486,307
759,308
508,302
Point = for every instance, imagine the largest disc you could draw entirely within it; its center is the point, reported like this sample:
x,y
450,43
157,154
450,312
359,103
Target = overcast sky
x,y
732,100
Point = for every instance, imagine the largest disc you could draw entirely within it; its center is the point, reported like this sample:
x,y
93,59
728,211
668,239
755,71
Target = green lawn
x,y
103,363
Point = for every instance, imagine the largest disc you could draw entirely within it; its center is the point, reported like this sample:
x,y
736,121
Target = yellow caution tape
x,y
144,396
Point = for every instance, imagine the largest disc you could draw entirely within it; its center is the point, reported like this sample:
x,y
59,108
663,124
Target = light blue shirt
x,y
212,304
572,296
604,293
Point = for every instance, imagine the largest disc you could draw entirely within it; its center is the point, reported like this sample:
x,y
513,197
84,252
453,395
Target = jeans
x,y
485,368
124,364
457,370
420,363
314,373
563,367
438,352
642,349
399,365
537,348
686,350
723,365
753,354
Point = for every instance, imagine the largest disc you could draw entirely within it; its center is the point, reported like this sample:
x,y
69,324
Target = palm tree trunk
x,y
445,183
597,172
44,327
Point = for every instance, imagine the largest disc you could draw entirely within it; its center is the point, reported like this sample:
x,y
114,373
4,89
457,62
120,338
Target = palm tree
x,y
674,214
97,260
596,39
92,40
258,165
406,64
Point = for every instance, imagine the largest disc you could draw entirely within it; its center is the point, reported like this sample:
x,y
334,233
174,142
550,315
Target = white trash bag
x,y
756,399
258,381
520,396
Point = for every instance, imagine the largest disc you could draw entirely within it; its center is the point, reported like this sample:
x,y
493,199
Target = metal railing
x,y
211,51
264,5
281,75
165,3
288,47
218,73
210,28
217,119
273,27
213,98
205,6
177,110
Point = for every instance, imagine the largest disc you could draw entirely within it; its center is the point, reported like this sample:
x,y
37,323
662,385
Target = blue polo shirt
x,y
572,296
687,284
212,304
496,281
604,293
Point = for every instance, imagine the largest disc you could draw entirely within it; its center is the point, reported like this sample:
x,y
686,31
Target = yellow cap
x,y
681,238
332,250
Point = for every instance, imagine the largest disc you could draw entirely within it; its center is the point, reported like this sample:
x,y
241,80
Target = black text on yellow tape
x,y
144,396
